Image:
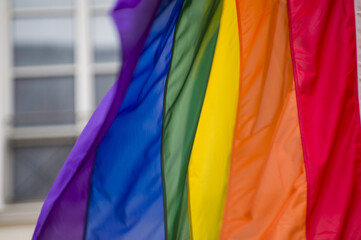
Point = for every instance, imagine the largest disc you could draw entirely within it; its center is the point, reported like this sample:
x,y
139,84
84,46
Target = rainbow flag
x,y
231,119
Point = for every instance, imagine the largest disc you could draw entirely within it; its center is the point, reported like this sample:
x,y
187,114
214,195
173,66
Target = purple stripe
x,y
63,215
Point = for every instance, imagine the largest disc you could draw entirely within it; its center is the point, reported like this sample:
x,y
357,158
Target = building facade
x,y
58,58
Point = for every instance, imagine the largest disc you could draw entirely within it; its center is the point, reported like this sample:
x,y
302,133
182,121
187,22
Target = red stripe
x,y
324,59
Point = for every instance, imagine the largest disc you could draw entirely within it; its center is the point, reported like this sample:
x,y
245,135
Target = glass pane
x,y
41,3
35,169
102,85
44,101
105,38
43,41
104,2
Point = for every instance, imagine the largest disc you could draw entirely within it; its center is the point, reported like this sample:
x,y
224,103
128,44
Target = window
x,y
40,41
105,47
41,3
35,168
103,82
60,58
43,101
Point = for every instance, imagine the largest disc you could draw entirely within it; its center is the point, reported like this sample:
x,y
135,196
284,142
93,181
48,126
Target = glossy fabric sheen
x,y
126,200
209,163
266,196
63,215
324,53
195,41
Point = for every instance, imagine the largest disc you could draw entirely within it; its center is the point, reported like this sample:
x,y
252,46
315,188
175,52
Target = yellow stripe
x,y
209,163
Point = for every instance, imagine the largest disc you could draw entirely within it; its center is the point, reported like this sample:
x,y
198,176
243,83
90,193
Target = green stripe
x,y
193,49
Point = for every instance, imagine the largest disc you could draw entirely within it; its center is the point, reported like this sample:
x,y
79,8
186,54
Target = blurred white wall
x,y
17,231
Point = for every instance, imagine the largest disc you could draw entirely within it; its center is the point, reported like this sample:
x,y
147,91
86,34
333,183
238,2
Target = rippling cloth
x,y
267,184
325,67
64,212
230,119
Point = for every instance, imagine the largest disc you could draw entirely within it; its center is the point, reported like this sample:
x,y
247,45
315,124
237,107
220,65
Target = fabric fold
x,y
63,214
195,40
323,43
126,196
266,196
209,163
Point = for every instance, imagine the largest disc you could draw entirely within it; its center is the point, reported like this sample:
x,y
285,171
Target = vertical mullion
x,y
83,55
6,100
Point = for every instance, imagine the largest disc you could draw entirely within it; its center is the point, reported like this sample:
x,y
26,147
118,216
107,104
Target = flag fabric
x,y
230,119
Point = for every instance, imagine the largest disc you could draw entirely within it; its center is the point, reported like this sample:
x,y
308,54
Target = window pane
x,y
102,85
35,169
106,43
103,2
41,3
43,41
44,101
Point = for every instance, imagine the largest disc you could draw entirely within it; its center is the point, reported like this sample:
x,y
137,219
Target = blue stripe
x,y
126,199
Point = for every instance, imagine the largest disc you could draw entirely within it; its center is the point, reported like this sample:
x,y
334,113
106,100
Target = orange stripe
x,y
266,196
